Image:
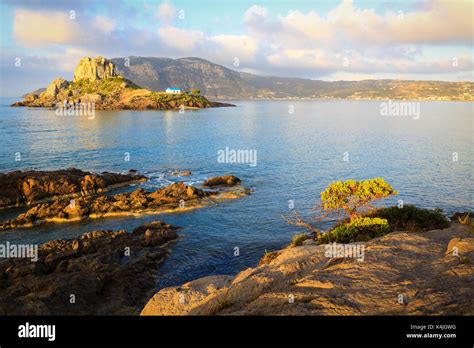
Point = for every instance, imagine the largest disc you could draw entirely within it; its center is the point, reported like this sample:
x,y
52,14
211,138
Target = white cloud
x,y
180,39
255,13
34,28
346,40
349,39
104,24
166,12
235,46
444,22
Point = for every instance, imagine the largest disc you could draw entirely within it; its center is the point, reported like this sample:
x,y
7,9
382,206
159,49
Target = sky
x,y
318,39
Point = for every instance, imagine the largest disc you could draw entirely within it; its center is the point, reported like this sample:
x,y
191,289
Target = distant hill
x,y
38,91
217,81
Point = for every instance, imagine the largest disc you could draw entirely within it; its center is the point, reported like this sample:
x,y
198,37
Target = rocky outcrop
x,y
222,181
93,69
28,187
174,197
99,273
428,273
97,83
54,87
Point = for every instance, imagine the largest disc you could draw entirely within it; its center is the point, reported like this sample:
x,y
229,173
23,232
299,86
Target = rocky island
x,y
96,81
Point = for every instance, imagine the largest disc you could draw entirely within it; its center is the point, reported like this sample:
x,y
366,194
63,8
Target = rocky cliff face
x,y
93,69
55,87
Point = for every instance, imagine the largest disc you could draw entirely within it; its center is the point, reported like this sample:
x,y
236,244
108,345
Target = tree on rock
x,y
353,196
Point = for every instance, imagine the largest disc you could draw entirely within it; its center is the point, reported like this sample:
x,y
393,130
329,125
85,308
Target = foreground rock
x,y
96,82
175,197
102,273
28,187
421,267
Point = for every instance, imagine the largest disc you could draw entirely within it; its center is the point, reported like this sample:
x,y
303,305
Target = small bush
x,y
268,257
411,218
358,230
298,239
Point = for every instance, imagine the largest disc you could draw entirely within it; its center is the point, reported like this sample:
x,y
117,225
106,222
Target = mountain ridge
x,y
218,81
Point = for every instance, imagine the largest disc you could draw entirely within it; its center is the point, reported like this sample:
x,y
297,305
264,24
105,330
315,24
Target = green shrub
x,y
268,257
298,239
352,195
357,230
411,218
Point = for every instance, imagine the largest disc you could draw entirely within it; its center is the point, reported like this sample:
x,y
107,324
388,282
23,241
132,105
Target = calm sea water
x,y
298,155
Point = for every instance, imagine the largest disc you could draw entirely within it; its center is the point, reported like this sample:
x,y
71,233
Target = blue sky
x,y
329,40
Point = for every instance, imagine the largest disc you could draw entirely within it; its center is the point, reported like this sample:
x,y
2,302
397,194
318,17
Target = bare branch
x,y
296,220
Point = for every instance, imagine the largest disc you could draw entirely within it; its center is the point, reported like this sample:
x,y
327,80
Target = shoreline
x,y
220,197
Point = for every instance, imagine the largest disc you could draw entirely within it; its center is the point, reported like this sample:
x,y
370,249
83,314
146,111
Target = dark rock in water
x,y
27,187
100,273
215,104
225,180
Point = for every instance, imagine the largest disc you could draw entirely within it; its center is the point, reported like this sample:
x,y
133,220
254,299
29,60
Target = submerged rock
x,y
181,173
400,274
225,180
29,187
102,272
